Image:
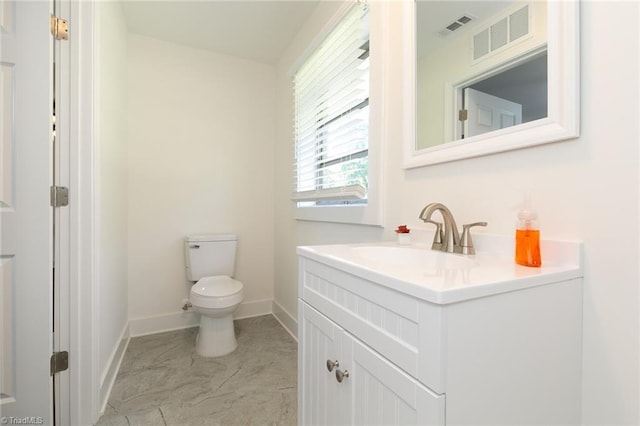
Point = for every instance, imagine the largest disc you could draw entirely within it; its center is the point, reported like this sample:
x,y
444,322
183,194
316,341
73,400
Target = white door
x,y
26,216
382,394
487,112
318,391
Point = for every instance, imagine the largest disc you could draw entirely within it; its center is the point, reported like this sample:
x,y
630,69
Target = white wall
x,y
111,172
585,189
201,137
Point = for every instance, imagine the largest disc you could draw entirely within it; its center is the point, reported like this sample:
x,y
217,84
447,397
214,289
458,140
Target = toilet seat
x,y
219,291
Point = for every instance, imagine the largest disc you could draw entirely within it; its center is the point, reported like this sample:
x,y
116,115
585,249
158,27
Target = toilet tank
x,y
210,254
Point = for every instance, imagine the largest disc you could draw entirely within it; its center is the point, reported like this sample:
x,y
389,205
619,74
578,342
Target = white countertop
x,y
444,278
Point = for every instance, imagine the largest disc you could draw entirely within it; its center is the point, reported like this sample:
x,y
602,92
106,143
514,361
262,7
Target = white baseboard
x,y
162,323
285,319
253,309
108,377
186,319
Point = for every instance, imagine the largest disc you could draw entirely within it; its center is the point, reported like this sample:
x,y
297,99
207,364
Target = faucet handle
x,y
466,244
438,237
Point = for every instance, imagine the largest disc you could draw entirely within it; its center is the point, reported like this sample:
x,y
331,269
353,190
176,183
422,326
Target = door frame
x,y
61,318
454,92
84,338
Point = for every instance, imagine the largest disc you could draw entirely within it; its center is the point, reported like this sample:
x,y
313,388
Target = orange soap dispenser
x,y
528,236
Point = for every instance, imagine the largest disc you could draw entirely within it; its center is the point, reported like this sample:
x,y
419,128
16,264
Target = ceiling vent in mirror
x,y
501,33
455,25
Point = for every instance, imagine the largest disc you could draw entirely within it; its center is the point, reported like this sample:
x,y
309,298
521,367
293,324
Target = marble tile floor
x,y
162,381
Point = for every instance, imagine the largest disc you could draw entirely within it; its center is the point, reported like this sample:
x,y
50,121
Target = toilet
x,y
210,262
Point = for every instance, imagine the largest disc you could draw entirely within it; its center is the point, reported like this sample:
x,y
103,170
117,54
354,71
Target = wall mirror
x,y
489,76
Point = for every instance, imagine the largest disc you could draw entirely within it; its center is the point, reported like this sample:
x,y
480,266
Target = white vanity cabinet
x,y
507,355
372,390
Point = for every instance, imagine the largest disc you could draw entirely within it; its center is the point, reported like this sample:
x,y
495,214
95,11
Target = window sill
x,y
358,215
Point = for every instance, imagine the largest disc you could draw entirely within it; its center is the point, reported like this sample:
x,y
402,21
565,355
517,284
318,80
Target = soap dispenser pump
x,y
528,236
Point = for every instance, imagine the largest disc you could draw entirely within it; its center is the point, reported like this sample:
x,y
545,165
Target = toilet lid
x,y
217,286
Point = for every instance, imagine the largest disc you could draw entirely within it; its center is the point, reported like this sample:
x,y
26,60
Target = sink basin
x,y
441,277
412,257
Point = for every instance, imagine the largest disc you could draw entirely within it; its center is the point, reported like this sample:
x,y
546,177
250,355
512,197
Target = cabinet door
x,y
318,391
382,394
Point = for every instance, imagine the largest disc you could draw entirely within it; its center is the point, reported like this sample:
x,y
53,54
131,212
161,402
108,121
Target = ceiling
x,y
434,15
259,30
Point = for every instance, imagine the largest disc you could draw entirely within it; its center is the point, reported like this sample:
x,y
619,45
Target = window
x,y
331,91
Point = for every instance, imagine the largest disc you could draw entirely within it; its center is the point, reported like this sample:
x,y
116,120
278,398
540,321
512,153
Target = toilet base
x,y
216,336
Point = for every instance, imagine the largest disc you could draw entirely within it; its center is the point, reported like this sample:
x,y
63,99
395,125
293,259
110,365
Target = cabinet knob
x,y
340,375
332,364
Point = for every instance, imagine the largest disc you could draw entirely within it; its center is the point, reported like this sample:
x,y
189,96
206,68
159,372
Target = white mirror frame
x,y
563,110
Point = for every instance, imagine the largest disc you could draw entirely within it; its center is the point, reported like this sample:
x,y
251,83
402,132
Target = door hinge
x,y
463,114
59,196
59,28
59,362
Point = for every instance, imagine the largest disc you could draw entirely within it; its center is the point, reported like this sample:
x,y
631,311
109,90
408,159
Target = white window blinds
x,y
332,115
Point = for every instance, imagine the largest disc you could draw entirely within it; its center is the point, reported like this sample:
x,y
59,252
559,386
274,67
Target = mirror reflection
x,y
481,67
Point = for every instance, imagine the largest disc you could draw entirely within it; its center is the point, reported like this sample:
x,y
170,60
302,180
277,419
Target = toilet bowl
x,y
215,299
215,295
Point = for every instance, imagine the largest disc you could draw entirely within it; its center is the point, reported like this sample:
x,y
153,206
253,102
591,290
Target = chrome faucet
x,y
449,240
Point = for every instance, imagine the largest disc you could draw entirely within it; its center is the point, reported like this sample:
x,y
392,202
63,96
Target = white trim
x,y
351,192
372,213
83,338
637,241
113,367
115,354
319,38
162,323
62,227
253,309
95,213
286,320
186,319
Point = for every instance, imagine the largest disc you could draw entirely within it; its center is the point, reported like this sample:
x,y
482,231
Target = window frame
x,y
355,213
